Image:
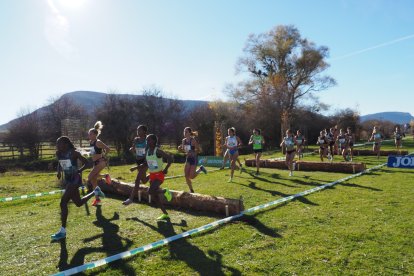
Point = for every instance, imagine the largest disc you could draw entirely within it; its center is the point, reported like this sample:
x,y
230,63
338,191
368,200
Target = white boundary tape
x,y
165,241
4,199
12,198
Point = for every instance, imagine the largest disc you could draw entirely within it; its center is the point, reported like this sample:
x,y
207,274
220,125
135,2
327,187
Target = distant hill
x,y
395,117
90,100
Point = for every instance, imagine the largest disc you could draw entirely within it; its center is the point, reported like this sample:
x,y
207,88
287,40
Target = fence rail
x,y
47,150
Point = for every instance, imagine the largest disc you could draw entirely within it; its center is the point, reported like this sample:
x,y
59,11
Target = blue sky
x,y
189,49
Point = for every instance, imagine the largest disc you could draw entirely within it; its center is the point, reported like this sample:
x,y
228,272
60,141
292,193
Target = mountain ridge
x,y
90,100
392,116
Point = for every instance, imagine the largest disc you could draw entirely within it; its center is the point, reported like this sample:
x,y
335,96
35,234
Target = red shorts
x,y
157,176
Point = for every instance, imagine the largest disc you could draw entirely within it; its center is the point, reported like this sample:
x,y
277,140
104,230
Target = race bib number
x,y
321,141
140,151
289,143
187,148
341,141
152,164
92,151
65,164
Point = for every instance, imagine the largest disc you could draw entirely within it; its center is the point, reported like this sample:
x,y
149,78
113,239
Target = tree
x,y
163,116
117,115
121,114
201,120
347,118
24,133
284,69
56,112
232,115
385,127
310,123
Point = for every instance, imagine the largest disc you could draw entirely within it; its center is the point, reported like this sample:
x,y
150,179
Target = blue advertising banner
x,y
405,162
212,161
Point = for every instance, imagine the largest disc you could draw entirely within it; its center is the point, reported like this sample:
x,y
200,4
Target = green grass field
x,y
361,227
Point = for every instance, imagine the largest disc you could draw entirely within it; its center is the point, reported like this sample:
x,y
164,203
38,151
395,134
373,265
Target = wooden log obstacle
x,y
343,167
368,152
361,152
193,201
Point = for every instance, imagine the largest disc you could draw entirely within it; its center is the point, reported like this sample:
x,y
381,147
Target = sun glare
x,y
71,4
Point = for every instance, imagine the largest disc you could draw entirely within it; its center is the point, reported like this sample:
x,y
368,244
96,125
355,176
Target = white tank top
x,y
231,141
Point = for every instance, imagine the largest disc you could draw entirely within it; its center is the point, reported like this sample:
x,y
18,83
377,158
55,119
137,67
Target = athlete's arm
x,y
239,142
102,145
164,155
59,169
83,160
181,146
251,140
132,148
225,143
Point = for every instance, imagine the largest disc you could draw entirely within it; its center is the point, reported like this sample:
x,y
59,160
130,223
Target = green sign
x,y
212,161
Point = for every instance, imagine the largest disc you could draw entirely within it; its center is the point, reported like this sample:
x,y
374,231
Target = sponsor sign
x,y
212,161
405,161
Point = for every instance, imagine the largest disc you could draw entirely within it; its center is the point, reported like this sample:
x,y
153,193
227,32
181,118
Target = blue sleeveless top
x,y
69,167
140,147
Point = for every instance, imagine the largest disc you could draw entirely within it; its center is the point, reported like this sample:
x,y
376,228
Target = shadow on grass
x,y
302,199
194,257
399,171
304,183
254,222
353,185
111,245
372,173
274,175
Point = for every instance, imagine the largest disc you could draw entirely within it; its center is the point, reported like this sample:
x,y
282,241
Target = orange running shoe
x,y
96,202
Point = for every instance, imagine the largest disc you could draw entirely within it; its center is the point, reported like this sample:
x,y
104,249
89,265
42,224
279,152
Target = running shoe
x,y
163,217
221,168
108,179
168,194
98,192
291,174
127,202
230,180
203,169
58,236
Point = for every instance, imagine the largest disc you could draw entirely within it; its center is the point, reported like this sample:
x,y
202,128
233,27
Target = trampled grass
x,y
361,227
